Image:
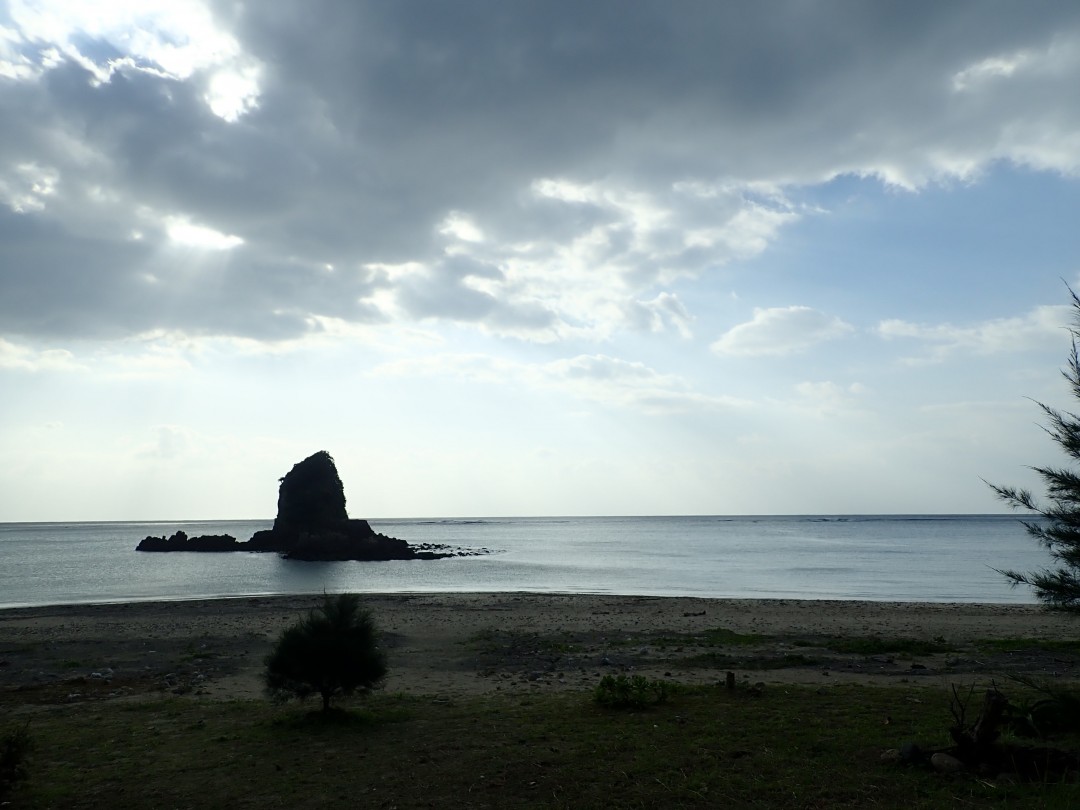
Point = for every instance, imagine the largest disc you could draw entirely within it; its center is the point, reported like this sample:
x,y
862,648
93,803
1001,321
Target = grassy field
x,y
789,747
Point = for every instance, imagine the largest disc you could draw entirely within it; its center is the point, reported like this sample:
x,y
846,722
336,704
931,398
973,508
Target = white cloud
x,y
15,357
233,92
459,226
597,181
184,232
629,384
169,443
546,201
170,39
600,248
179,35
606,380
28,186
827,398
656,315
1040,328
156,360
780,331
989,69
13,63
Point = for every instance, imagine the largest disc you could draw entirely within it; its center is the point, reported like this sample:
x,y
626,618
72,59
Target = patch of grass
x,y
496,641
722,637
715,637
19,647
631,692
875,645
395,709
716,660
706,747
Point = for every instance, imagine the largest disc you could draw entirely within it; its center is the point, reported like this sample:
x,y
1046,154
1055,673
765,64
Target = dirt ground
x,y
448,645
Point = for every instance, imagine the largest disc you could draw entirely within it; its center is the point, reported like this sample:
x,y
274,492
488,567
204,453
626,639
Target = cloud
x,y
1037,329
606,380
827,398
459,288
184,232
169,443
168,39
666,310
27,186
611,246
594,156
629,384
15,357
780,331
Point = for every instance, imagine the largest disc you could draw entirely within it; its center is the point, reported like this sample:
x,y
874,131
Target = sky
x,y
533,258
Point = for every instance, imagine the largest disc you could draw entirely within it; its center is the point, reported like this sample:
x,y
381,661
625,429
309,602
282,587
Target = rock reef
x,y
181,542
311,524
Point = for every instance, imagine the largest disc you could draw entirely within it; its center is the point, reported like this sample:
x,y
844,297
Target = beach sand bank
x,y
455,644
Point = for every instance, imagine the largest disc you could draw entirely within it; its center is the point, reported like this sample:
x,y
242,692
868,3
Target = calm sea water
x,y
885,558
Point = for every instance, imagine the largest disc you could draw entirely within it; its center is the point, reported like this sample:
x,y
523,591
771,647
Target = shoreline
x,y
263,601
156,600
457,644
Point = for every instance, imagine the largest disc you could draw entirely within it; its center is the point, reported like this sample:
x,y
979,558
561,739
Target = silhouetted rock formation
x,y
311,497
311,524
181,542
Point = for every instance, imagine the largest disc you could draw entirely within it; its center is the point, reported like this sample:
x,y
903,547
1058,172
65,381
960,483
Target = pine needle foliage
x,y
1059,530
333,651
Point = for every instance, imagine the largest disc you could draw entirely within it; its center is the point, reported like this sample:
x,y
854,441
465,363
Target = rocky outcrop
x,y
311,497
181,542
350,540
311,524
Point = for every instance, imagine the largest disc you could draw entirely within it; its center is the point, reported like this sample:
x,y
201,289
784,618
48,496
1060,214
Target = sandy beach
x,y
448,645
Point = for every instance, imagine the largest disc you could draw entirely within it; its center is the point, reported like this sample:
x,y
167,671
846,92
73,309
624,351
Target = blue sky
x,y
533,258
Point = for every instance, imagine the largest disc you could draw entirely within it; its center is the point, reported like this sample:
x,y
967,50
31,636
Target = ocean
x,y
936,558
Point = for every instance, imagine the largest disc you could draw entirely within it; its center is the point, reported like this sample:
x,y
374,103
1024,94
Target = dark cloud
x,y
375,121
444,291
57,284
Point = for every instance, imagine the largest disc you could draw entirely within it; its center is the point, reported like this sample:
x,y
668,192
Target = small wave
x,y
896,518
451,522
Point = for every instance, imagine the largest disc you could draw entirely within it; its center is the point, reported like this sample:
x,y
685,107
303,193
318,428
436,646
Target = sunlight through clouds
x,y
989,69
169,38
24,358
611,225
184,232
27,187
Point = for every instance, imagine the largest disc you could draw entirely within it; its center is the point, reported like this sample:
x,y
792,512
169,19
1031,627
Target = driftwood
x,y
975,744
978,750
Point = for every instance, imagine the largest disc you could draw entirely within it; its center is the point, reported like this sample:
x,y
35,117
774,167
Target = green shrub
x,y
333,651
1054,709
620,691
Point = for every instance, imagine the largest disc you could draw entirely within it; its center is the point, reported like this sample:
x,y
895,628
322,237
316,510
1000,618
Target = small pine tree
x,y
1059,531
334,650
